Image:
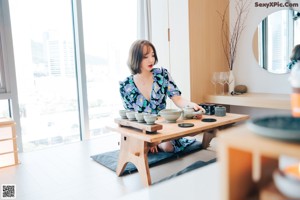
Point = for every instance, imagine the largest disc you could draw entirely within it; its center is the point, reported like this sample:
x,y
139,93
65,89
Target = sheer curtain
x,y
2,74
144,20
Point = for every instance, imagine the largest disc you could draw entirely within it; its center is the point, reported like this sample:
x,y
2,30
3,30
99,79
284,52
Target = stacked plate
x,y
278,127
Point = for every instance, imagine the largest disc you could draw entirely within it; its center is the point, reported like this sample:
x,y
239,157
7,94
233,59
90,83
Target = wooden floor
x,y
68,173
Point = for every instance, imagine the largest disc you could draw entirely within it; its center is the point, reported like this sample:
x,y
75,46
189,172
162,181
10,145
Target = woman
x,y
147,88
295,56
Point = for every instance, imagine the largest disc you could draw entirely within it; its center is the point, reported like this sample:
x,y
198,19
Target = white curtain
x,y
2,74
144,20
2,42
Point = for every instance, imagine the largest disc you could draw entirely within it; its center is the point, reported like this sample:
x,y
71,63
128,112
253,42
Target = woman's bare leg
x,y
166,147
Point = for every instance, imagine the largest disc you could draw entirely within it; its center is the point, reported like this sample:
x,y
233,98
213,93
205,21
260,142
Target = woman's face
x,y
148,59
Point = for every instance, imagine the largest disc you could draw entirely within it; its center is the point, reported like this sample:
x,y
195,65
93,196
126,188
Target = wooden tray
x,y
142,126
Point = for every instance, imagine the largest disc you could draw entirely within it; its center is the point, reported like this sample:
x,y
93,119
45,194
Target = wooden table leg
x,y
134,151
207,137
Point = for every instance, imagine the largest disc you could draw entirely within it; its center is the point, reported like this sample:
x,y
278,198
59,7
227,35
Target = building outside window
x,y
46,71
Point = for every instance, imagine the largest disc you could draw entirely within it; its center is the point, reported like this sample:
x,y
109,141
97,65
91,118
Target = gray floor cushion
x,y
191,167
110,159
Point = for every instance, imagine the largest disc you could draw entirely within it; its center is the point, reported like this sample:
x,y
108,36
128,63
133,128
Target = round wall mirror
x,y
274,39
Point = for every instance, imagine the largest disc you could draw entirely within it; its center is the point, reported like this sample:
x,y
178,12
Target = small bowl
x,y
170,115
140,117
287,185
122,113
131,115
150,118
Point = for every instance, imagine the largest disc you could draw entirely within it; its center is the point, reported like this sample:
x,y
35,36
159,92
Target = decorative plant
x,y
230,38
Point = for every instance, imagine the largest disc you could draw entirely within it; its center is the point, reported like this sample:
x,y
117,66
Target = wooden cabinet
x,y
206,51
8,143
247,161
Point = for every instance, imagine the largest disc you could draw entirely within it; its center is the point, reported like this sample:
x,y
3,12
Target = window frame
x,y
9,70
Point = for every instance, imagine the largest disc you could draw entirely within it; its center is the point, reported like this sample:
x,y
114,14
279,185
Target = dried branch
x,y
231,38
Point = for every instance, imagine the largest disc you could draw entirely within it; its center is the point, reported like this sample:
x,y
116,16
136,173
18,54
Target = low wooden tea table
x,y
135,143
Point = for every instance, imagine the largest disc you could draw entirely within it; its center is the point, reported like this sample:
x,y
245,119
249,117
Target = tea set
x,y
170,115
140,117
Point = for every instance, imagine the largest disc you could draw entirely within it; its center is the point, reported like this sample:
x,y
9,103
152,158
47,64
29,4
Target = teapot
x,y
190,113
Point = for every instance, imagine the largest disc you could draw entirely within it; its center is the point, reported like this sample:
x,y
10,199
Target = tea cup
x,y
131,115
122,113
140,117
150,118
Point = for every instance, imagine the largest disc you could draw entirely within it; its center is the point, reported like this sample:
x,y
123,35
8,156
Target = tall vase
x,y
231,82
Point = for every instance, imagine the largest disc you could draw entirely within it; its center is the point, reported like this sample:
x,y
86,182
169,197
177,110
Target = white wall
x,y
179,45
159,31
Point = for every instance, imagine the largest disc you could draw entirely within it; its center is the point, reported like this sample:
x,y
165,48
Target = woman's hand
x,y
181,103
197,107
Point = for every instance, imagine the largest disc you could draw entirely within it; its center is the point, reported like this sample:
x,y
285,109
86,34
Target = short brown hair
x,y
296,53
136,55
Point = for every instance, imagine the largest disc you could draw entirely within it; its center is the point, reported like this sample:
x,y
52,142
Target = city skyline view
x,y
46,66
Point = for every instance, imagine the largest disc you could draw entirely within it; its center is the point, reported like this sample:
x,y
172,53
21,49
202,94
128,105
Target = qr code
x,y
8,191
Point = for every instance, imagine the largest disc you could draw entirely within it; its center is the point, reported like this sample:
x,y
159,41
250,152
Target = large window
x,y
110,27
4,108
47,71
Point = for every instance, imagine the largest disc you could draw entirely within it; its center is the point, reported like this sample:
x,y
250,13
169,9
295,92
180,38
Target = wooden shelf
x,y
259,100
247,167
6,121
8,143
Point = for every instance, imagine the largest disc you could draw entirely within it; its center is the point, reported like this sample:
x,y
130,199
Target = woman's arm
x,y
180,102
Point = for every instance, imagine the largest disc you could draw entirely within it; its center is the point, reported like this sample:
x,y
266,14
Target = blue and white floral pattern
x,y
163,86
